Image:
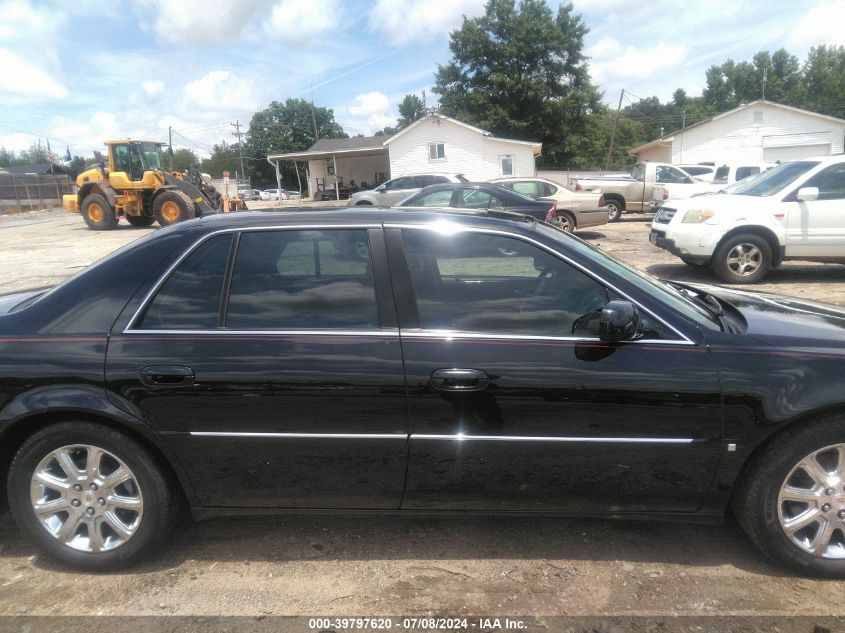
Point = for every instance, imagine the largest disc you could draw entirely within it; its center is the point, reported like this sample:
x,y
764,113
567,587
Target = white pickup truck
x,y
793,211
637,192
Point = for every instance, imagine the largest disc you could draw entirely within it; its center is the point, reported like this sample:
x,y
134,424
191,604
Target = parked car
x,y
729,174
636,192
394,190
253,194
702,172
533,374
575,209
292,195
793,211
484,196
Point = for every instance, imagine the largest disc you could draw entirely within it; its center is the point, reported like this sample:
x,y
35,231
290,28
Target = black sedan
x,y
481,196
384,361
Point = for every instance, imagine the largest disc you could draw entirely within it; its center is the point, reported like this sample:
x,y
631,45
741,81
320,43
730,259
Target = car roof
x,y
292,216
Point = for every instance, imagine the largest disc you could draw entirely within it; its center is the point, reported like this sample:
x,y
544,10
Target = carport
x,y
333,162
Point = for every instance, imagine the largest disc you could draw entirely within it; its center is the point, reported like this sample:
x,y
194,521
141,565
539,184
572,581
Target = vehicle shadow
x,y
369,538
789,273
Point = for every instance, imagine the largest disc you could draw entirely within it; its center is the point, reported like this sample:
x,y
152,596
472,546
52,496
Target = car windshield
x,y
645,282
770,182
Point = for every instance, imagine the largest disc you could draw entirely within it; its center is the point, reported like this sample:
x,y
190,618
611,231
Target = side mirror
x,y
807,194
619,321
381,188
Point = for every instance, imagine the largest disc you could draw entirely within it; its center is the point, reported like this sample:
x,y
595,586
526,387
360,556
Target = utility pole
x,y
314,122
683,129
237,126
613,130
170,147
765,76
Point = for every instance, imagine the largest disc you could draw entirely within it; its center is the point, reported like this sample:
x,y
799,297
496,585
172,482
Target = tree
x,y
824,80
410,109
285,127
521,72
182,159
224,157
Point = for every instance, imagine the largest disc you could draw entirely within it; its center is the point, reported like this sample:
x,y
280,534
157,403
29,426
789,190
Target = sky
x,y
79,72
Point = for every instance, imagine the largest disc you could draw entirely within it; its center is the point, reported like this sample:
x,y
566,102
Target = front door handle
x,y
459,379
167,376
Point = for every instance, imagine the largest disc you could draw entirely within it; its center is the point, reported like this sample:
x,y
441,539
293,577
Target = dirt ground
x,y
367,566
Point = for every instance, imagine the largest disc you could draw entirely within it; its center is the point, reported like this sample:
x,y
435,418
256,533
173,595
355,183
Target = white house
x,y
433,143
757,132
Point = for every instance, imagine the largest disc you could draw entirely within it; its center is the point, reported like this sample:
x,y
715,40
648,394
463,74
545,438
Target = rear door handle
x,y
459,379
167,376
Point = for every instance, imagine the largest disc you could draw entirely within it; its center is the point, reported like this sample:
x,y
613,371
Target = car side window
x,y
830,181
548,190
302,279
528,188
406,182
667,174
190,297
440,198
475,282
478,199
422,181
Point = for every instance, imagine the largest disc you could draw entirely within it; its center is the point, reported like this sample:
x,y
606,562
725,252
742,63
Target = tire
x,y
614,210
743,259
566,221
170,207
693,264
763,513
98,213
364,203
144,526
140,220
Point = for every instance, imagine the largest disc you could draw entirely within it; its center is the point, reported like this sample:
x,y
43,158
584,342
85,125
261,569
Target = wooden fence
x,y
31,192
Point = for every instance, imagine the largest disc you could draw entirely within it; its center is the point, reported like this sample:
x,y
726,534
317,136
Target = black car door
x,y
287,393
515,404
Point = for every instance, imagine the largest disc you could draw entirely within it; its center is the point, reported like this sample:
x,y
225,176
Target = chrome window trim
x,y
450,437
456,334
458,228
292,227
387,332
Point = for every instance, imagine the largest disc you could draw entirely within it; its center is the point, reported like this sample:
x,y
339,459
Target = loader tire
x,y
98,214
171,207
140,220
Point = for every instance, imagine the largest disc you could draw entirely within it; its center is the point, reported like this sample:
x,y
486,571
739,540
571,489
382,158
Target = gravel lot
x,y
392,565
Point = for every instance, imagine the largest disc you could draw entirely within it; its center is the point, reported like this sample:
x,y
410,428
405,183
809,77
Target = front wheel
x,y
743,259
90,497
98,213
791,502
614,211
171,207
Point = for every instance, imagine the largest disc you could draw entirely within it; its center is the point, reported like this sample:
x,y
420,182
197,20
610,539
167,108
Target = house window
x,y
436,151
506,165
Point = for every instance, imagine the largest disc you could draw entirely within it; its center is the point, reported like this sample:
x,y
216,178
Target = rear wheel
x,y
98,214
171,207
792,500
614,211
89,496
566,221
743,259
140,220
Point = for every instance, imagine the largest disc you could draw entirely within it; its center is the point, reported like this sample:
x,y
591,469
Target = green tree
x,y
824,80
410,109
7,157
520,71
182,159
285,127
224,157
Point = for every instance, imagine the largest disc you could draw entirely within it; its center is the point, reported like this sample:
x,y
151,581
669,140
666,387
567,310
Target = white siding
x,y
752,134
467,152
658,154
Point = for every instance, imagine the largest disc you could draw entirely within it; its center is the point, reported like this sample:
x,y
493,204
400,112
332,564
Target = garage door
x,y
783,153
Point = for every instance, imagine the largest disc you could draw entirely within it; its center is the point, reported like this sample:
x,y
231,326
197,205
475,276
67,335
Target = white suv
x,y
794,211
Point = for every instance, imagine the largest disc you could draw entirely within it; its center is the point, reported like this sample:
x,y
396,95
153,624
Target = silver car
x,y
575,209
389,193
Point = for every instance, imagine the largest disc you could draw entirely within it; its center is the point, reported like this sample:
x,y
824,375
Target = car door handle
x,y
459,379
167,376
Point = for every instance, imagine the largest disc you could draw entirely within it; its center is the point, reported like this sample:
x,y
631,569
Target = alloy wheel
x,y
744,259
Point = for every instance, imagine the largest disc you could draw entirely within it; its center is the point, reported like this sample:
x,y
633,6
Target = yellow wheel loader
x,y
134,185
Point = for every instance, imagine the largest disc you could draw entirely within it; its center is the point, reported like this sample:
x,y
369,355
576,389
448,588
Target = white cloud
x,y
152,87
201,22
611,61
298,21
20,21
21,78
403,21
820,25
369,103
215,90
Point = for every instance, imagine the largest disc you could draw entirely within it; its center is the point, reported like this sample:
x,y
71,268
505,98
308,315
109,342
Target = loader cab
x,y
134,158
